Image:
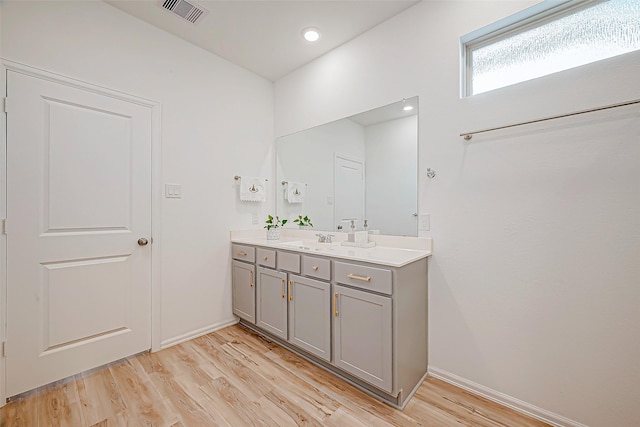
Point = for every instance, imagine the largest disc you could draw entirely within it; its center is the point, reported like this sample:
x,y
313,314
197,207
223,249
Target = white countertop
x,y
396,251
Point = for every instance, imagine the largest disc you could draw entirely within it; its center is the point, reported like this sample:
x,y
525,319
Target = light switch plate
x,y
424,222
173,191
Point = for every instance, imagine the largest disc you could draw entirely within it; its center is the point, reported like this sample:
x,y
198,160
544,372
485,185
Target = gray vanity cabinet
x,y
244,296
271,301
362,335
363,321
309,315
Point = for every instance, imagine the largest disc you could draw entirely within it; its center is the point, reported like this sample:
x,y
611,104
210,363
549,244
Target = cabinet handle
x,y
335,305
290,293
282,289
364,279
315,268
251,283
265,258
241,253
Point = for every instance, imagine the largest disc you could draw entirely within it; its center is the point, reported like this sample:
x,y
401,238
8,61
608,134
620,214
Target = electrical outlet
x,y
424,222
254,219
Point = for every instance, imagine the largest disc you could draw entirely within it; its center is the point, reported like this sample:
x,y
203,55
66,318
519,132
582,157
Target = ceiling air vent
x,y
185,10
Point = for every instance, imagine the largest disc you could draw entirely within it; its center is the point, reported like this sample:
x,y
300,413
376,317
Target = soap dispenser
x,y
351,236
362,237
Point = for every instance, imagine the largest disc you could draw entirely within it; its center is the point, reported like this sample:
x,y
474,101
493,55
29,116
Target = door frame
x,y
337,156
156,193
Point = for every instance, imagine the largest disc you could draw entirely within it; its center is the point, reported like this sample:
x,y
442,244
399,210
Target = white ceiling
x,y
387,112
265,36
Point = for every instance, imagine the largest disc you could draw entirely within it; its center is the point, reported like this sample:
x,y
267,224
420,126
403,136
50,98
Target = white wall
x,y
210,132
308,157
391,176
534,278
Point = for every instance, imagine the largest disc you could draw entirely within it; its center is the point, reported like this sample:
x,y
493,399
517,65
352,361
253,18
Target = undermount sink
x,y
376,253
310,245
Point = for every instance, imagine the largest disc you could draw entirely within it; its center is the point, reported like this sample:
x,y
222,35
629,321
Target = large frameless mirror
x,y
362,167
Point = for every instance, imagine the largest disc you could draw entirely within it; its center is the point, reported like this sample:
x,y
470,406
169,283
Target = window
x,y
546,39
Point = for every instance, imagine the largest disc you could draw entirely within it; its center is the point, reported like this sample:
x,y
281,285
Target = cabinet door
x,y
310,316
362,335
243,287
271,304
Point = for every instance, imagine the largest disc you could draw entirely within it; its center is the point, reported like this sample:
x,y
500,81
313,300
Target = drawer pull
x,y
265,258
290,293
364,279
241,253
251,283
315,268
335,305
282,289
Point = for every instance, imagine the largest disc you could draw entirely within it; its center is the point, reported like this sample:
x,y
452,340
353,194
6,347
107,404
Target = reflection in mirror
x,y
362,167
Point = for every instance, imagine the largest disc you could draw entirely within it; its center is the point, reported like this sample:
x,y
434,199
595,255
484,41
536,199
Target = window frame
x,y
522,21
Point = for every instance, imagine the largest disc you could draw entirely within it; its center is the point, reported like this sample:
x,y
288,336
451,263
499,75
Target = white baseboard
x,y
503,399
197,333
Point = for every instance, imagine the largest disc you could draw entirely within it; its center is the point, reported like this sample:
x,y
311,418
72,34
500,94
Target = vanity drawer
x,y
360,276
289,261
266,257
243,253
316,267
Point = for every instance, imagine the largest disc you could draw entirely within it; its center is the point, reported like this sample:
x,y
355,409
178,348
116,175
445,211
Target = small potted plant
x,y
272,224
303,222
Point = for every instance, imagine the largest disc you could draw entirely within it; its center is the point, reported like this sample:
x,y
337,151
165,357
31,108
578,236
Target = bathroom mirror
x,y
362,167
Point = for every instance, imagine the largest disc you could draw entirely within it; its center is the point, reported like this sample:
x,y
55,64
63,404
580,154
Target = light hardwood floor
x,y
234,377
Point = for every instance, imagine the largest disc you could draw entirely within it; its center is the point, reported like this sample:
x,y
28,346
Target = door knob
x,y
142,241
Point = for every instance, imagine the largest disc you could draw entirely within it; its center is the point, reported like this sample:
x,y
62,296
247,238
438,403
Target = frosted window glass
x,y
601,31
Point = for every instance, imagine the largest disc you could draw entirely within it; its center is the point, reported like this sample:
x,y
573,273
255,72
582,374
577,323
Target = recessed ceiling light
x,y
407,107
311,34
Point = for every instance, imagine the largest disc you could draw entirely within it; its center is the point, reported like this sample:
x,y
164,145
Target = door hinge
x,y
4,226
4,349
5,103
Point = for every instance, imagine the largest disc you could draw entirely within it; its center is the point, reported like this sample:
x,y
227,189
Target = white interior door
x,y
78,200
348,190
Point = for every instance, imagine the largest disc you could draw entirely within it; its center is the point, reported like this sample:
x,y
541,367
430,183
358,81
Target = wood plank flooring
x,y
234,377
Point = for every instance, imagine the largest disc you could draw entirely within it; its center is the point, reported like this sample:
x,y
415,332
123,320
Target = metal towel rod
x,y
468,135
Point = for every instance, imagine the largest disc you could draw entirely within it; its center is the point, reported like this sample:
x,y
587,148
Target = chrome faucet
x,y
324,238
